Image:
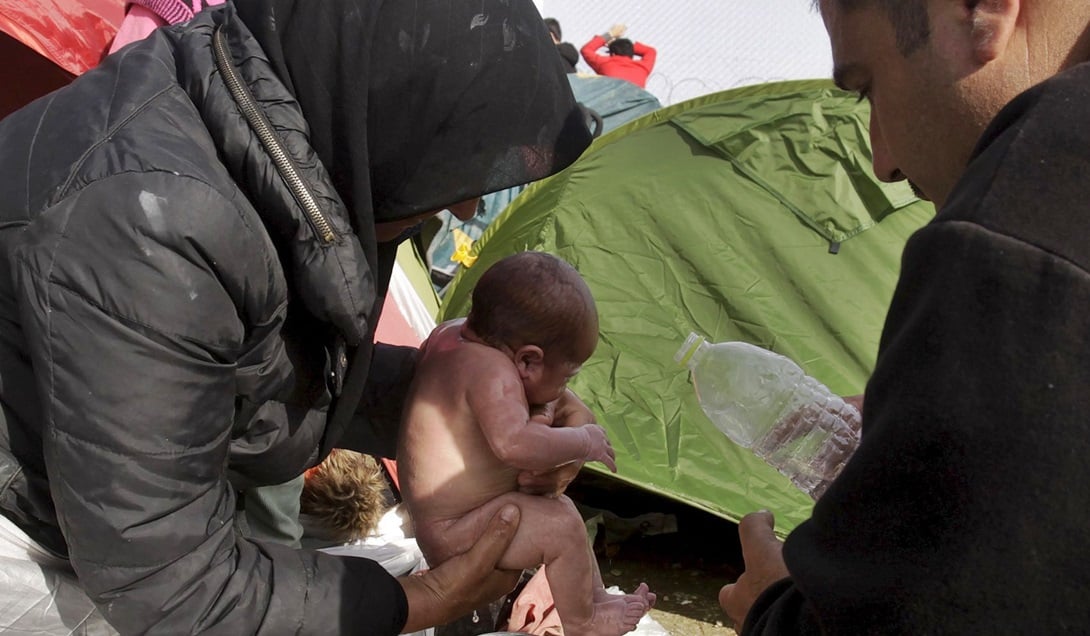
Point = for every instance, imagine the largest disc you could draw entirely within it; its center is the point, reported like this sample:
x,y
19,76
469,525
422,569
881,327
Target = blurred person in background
x,y
627,60
566,49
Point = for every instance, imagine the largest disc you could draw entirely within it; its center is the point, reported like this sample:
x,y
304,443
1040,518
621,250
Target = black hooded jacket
x,y
191,277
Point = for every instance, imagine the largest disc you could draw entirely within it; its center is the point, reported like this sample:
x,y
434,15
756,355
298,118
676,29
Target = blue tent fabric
x,y
617,101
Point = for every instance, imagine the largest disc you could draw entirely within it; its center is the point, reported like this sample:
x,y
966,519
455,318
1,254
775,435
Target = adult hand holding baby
x,y
466,581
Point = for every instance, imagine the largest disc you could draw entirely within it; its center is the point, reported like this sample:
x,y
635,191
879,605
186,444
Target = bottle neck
x,y
698,354
692,351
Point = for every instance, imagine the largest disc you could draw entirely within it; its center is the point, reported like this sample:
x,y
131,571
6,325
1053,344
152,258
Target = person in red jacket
x,y
622,60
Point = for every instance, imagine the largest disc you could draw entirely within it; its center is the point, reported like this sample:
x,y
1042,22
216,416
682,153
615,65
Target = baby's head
x,y
536,308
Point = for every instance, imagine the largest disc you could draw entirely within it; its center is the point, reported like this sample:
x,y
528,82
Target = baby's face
x,y
550,384
558,371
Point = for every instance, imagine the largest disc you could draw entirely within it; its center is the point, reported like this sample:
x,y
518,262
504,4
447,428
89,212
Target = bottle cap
x,y
692,343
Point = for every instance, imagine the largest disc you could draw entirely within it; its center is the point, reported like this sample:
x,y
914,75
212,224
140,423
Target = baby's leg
x,y
549,529
552,532
585,608
441,540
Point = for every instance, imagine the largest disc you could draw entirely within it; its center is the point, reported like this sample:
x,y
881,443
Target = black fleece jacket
x,y
965,508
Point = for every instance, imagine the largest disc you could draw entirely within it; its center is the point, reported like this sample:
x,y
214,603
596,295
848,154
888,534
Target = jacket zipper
x,y
265,133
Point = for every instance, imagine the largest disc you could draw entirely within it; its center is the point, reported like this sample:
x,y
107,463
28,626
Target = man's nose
x,y
885,168
465,210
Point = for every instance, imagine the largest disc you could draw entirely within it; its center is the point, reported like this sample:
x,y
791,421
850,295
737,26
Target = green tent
x,y
749,215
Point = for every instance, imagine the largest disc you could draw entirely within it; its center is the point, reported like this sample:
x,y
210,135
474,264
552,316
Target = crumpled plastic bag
x,y
39,594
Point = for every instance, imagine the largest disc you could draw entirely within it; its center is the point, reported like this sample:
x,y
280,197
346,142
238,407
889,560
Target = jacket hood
x,y
414,106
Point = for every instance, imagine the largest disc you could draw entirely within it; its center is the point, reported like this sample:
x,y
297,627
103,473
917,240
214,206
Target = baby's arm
x,y
522,441
544,414
568,411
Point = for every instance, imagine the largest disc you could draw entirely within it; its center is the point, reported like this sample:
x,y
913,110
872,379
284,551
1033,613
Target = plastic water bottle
x,y
765,402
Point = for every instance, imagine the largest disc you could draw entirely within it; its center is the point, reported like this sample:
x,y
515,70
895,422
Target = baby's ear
x,y
530,360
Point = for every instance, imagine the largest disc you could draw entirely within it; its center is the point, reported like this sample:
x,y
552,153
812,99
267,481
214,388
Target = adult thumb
x,y
757,528
497,536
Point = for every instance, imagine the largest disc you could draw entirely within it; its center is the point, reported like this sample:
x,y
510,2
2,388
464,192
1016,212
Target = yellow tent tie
x,y
463,244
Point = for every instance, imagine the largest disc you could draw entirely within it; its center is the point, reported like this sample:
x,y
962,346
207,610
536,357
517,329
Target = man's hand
x,y
763,555
465,582
616,31
857,402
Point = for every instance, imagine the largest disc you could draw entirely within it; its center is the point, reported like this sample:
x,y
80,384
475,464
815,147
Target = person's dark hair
x,y
621,46
908,17
554,27
533,298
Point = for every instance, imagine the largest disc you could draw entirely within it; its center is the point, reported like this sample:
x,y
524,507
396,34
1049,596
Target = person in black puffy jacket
x,y
197,236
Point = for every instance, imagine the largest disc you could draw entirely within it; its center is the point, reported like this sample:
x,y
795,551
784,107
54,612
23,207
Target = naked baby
x,y
489,399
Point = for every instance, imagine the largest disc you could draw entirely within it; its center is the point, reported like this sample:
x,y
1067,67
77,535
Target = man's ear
x,y
530,360
992,25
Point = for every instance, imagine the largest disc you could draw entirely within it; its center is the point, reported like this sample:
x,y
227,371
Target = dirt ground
x,y
687,590
685,568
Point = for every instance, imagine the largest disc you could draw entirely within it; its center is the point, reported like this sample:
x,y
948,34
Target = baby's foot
x,y
601,595
616,614
647,594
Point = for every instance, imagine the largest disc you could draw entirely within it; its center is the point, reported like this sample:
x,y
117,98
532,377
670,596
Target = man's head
x,y
936,72
908,17
621,46
554,29
536,307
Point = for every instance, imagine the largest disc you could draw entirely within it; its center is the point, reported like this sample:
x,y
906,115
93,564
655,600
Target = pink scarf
x,y
144,16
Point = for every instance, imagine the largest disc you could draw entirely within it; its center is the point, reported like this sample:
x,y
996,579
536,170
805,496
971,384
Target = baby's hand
x,y
598,447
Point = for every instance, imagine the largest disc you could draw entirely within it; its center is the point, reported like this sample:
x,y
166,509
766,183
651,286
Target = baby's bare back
x,y
446,466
